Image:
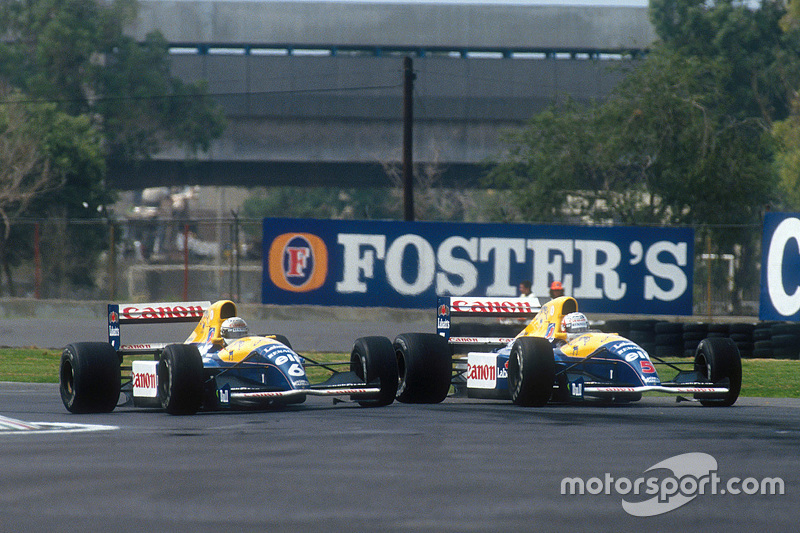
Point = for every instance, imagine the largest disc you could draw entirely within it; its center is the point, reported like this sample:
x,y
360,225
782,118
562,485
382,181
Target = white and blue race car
x,y
212,370
555,358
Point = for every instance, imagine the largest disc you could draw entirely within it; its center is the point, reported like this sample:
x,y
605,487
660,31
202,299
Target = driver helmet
x,y
233,328
574,325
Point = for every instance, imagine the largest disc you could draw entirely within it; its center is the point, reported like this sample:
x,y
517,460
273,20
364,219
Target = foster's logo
x,y
298,262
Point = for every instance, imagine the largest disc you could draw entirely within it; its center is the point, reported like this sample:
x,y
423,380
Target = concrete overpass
x,y
313,89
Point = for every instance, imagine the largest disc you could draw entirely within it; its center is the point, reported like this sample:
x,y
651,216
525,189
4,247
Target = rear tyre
x,y
372,360
89,377
180,379
717,359
280,338
424,366
531,371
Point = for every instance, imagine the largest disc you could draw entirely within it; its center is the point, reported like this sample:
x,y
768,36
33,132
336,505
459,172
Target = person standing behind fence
x,y
525,289
556,290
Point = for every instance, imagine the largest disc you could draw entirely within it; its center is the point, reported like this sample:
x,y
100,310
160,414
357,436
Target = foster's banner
x,y
780,267
409,264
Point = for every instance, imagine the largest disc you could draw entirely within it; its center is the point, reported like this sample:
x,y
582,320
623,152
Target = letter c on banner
x,y
298,262
784,303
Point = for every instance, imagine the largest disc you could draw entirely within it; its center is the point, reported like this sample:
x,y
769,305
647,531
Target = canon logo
x,y
161,312
477,305
145,380
482,372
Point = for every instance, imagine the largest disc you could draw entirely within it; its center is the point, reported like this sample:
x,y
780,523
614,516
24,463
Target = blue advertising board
x,y
780,267
409,264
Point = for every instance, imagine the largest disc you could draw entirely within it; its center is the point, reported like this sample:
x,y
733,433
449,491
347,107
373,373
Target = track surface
x,y
463,465
312,333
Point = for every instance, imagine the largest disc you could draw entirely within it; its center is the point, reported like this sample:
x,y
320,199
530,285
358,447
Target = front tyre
x,y
531,371
372,360
89,377
424,366
180,379
718,360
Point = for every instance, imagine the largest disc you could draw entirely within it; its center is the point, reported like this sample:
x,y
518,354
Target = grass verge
x,y
766,378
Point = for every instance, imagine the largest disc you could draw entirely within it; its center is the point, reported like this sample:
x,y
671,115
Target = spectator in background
x,y
525,289
556,289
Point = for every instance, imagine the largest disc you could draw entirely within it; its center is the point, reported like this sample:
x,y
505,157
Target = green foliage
x,y
683,139
787,137
93,94
144,106
787,131
322,202
73,52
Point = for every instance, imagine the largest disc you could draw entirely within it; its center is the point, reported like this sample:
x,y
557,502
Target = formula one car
x,y
556,357
218,366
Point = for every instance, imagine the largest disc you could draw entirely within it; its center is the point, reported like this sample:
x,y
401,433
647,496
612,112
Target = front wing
x,y
578,390
296,394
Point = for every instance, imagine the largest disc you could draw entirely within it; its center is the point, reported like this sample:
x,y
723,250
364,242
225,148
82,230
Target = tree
x,y
24,174
105,96
42,150
684,139
74,53
787,131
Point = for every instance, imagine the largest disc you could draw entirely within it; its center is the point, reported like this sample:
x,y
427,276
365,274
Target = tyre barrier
x,y
662,338
764,340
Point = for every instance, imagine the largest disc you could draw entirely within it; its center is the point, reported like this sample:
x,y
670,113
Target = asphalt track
x,y
463,465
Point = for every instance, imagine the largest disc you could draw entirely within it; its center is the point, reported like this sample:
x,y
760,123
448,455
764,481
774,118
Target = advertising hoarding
x,y
780,267
409,264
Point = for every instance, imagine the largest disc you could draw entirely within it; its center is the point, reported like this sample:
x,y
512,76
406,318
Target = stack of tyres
x,y
718,330
692,335
642,332
762,340
620,327
785,338
669,339
742,334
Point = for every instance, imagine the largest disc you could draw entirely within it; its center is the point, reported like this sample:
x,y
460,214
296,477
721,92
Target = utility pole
x,y
408,122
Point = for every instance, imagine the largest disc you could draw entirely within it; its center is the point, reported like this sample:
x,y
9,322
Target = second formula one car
x,y
556,357
220,365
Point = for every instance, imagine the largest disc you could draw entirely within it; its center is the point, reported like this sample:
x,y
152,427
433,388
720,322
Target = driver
x,y
233,328
574,325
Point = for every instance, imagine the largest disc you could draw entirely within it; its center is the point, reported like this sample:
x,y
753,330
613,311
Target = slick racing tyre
x,y
717,359
89,377
180,379
424,367
531,371
372,360
280,338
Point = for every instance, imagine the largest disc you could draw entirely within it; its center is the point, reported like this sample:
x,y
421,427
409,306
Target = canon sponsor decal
x,y
144,376
482,371
409,264
162,311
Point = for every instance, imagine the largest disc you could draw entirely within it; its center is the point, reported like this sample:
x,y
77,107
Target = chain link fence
x,y
208,259
134,260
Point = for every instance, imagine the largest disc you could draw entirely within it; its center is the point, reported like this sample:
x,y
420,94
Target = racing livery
x,y
212,369
556,357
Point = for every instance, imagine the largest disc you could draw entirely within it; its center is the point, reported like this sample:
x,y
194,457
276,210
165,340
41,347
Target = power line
x,y
201,95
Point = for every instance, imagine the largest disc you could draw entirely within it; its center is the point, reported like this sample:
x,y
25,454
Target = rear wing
x,y
149,313
449,307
